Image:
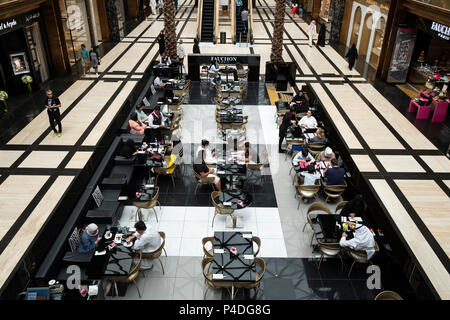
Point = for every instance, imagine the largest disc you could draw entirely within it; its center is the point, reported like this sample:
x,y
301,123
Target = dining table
x,y
233,258
235,199
231,100
231,118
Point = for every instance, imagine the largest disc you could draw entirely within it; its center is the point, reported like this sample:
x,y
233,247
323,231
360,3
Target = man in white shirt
x,y
215,68
363,239
308,121
180,51
146,240
158,82
209,157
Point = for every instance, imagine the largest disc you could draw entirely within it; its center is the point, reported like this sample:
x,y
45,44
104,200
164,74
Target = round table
x,y
234,196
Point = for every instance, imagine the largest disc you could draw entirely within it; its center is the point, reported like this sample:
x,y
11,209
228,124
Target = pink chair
x,y
422,111
423,94
440,111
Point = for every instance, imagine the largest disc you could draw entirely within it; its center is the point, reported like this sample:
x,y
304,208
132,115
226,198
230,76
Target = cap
x,y
328,151
92,229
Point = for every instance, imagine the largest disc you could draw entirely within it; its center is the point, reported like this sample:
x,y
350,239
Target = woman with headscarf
x,y
89,239
363,239
352,55
312,31
321,37
161,42
196,48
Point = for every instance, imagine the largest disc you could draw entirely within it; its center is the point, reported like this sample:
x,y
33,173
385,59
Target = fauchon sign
x,y
441,30
224,60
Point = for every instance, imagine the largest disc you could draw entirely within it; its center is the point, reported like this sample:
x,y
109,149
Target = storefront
x,y
430,54
365,28
23,51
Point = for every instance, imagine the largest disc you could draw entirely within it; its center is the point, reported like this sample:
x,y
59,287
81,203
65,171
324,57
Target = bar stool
x,y
422,111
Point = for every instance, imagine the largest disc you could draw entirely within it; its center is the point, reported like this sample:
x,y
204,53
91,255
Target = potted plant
x,y
3,97
27,79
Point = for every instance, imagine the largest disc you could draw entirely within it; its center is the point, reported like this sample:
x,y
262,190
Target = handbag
x,y
294,10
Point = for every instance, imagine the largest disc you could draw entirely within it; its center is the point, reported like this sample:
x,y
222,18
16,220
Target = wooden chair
x,y
157,253
240,126
219,208
256,240
206,262
316,206
165,172
388,295
316,147
130,277
203,180
340,206
308,192
147,205
289,144
254,168
255,284
361,257
294,153
334,191
329,250
208,252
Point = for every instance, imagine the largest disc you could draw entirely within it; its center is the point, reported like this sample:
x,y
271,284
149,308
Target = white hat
x,y
328,151
92,229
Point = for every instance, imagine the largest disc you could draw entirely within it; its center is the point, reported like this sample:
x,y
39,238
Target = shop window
x,y
365,36
76,27
377,42
356,25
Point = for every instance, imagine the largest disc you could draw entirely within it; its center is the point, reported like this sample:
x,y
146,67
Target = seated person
x,y
89,239
245,156
165,59
353,208
320,136
363,239
135,125
158,82
145,240
308,121
300,103
129,149
326,155
310,176
303,156
175,146
142,117
215,68
295,130
169,161
202,169
210,156
334,174
240,68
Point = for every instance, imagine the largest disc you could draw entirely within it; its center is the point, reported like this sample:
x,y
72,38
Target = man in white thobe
x,y
308,121
363,240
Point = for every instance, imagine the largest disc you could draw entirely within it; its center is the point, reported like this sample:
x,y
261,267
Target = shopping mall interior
x,y
224,150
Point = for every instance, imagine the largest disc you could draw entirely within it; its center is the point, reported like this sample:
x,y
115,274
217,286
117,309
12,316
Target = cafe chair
x,y
334,191
316,147
255,172
208,252
340,206
207,275
240,126
361,257
130,277
289,149
170,171
294,153
147,205
316,206
254,284
256,240
388,295
203,180
329,250
308,192
157,253
219,208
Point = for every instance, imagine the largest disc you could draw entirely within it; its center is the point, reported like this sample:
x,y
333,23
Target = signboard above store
x,y
19,21
441,30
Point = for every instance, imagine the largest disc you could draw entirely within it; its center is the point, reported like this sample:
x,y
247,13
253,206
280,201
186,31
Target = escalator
x,y
207,21
241,35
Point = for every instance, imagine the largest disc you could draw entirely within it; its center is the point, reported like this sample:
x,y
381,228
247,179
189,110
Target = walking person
x,y
244,17
196,48
181,53
352,55
161,42
84,59
238,7
95,60
52,104
176,5
312,31
153,7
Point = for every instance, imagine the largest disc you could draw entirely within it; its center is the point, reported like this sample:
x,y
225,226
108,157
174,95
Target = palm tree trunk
x,y
170,29
277,41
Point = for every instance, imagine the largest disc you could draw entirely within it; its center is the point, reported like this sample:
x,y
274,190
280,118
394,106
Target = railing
x,y
250,21
216,20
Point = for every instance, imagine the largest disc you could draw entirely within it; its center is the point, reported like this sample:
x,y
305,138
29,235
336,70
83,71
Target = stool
x,y
440,111
422,111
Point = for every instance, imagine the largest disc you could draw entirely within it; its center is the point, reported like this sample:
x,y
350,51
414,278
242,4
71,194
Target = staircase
x,y
241,36
207,34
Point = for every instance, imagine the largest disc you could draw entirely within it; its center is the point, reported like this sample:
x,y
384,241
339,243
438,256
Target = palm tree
x,y
170,29
277,41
